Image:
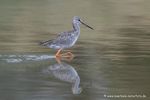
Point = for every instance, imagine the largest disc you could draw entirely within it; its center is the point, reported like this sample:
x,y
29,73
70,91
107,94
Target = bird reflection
x,y
67,73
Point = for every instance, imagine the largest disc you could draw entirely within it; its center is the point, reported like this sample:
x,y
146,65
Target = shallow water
x,y
111,60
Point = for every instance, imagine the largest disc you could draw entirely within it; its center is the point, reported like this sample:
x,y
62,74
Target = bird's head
x,y
77,20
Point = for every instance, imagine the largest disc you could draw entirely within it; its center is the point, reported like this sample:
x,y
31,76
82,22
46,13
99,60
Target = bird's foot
x,y
65,56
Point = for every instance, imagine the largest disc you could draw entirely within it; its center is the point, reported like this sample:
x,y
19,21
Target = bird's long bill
x,y
87,25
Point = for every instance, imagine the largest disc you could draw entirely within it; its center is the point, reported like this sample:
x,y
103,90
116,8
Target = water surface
x,y
111,60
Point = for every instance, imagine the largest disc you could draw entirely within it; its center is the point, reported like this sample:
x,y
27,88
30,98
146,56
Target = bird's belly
x,y
73,41
66,43
54,46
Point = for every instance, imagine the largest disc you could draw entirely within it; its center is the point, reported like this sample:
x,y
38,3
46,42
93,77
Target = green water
x,y
111,60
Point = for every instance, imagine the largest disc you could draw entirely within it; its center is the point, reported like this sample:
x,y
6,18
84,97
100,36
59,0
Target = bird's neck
x,y
76,26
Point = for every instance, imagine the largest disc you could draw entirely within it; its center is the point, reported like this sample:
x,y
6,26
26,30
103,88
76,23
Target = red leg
x,y
58,53
58,59
64,55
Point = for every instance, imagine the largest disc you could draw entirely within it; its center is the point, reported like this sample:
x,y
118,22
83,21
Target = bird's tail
x,y
44,43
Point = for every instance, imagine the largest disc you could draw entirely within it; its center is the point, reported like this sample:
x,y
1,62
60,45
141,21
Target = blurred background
x,y
116,53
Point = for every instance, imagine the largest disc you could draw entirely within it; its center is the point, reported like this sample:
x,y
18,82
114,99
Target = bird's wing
x,y
63,37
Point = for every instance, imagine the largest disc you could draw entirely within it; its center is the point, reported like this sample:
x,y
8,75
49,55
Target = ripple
x,y
13,60
24,58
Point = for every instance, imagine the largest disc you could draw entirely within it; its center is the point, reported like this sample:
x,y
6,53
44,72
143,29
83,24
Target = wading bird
x,y
66,39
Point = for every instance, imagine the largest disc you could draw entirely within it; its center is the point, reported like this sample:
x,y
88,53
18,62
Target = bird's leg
x,y
66,58
58,53
58,59
64,55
